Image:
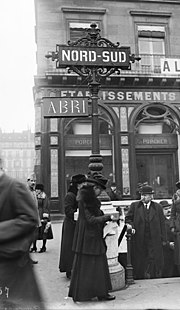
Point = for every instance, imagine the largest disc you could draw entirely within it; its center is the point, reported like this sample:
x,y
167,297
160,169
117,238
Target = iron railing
x,y
150,64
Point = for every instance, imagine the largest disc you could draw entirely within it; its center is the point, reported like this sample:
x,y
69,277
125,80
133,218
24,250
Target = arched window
x,y
155,119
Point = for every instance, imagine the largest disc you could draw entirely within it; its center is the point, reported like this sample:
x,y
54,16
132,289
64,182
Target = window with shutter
x,y
151,44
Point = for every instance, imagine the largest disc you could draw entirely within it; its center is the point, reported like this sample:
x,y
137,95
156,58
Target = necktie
x,y
146,206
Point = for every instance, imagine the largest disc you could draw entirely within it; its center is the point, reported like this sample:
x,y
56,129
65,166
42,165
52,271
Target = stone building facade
x,y
18,152
139,117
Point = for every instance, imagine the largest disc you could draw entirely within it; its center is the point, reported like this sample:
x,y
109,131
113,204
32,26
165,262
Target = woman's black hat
x,y
98,179
78,178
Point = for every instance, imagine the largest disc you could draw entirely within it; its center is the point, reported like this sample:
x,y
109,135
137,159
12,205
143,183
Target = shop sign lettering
x,y
92,56
170,66
125,95
161,141
154,141
64,107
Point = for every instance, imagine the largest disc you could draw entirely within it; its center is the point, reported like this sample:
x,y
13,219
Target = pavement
x,y
143,294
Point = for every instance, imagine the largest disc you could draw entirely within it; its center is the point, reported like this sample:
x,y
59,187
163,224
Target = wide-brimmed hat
x,y
99,179
164,203
146,190
39,186
78,178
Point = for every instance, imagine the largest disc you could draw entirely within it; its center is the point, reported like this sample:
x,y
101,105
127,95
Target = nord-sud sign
x,y
90,56
64,107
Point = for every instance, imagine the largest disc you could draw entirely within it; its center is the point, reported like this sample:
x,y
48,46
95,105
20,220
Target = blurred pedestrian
x,y
90,273
113,192
146,220
175,229
18,220
31,183
70,207
45,230
168,248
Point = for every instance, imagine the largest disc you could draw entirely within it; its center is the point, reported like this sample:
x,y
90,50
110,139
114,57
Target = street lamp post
x,y
93,58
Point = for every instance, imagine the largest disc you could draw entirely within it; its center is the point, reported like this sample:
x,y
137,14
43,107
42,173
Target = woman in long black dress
x,y
70,206
90,273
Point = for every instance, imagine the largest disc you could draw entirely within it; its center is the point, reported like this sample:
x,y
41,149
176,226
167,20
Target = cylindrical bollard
x,y
129,268
117,272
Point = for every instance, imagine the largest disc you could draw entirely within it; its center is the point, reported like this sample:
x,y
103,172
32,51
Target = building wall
x,y
117,19
18,152
123,98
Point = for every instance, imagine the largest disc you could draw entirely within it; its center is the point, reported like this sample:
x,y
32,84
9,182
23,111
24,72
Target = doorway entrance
x,y
157,170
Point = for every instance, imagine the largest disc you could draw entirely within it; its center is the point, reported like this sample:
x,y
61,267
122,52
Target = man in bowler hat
x,y
146,220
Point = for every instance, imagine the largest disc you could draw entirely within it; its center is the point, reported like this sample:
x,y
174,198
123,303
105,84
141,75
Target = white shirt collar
x,y
147,204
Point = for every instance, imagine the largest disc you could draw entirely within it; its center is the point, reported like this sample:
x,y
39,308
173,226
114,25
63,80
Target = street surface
x,y
144,294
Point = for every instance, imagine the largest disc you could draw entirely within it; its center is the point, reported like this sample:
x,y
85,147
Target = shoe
x,y
33,250
43,249
107,297
34,261
68,275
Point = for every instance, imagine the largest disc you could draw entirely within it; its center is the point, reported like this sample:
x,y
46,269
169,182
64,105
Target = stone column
x,y
117,272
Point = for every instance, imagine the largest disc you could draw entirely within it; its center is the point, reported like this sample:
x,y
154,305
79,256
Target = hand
x,y
133,231
172,229
129,226
113,218
171,245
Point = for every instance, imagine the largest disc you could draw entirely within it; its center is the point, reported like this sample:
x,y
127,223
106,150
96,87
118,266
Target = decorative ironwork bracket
x,y
93,39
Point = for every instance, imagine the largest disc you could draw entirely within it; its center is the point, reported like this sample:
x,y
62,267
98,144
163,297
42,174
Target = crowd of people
x,y
155,228
25,218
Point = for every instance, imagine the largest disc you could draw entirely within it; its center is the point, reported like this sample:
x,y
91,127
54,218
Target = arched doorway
x,y
155,148
78,144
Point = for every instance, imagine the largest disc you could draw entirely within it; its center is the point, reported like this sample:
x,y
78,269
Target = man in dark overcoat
x,y
146,219
169,269
18,220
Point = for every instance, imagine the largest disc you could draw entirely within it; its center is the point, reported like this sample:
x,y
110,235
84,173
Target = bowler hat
x,y
164,203
99,179
178,184
146,190
39,186
78,178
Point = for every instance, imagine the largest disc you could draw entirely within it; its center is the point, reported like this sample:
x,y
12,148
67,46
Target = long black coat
x,y
68,228
169,266
18,218
175,223
43,207
90,273
135,217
